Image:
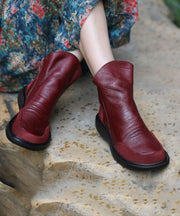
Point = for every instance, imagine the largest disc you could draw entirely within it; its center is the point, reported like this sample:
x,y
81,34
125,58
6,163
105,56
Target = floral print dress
x,y
31,29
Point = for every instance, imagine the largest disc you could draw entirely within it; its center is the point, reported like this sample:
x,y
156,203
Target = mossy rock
x,y
174,6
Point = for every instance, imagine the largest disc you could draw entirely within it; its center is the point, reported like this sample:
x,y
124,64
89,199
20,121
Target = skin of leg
x,y
94,39
77,53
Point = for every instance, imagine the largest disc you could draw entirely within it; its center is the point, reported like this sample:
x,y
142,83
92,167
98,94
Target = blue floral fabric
x,y
31,29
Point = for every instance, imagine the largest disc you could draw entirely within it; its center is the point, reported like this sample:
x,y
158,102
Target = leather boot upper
x,y
58,71
119,114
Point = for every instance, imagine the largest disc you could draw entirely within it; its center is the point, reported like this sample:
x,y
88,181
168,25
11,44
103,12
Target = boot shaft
x,y
115,75
58,71
114,79
118,110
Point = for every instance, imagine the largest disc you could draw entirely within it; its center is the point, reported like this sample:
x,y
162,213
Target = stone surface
x,y
22,168
76,175
13,202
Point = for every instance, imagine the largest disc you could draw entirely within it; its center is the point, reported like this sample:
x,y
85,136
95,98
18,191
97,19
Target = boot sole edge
x,y
104,132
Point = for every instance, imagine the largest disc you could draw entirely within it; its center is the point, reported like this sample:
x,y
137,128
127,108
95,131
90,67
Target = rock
x,y
13,202
21,168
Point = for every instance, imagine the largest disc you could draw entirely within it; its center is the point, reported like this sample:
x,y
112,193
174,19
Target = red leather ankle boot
x,y
119,123
30,127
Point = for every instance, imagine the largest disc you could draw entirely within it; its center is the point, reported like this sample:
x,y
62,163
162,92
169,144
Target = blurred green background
x,y
174,6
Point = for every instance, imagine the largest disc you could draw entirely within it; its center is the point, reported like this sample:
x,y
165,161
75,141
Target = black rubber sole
x,y
19,141
104,132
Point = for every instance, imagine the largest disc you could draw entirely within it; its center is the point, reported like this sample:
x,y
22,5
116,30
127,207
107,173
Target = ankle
x,y
96,67
77,54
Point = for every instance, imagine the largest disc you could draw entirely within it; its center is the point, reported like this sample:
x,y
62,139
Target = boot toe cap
x,y
148,156
19,136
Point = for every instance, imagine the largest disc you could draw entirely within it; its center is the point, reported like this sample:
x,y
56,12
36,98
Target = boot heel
x,y
22,98
102,130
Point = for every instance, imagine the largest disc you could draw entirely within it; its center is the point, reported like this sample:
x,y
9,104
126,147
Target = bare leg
x,y
94,40
77,53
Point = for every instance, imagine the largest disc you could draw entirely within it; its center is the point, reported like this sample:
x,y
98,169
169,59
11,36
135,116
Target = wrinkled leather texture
x,y
58,71
119,114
